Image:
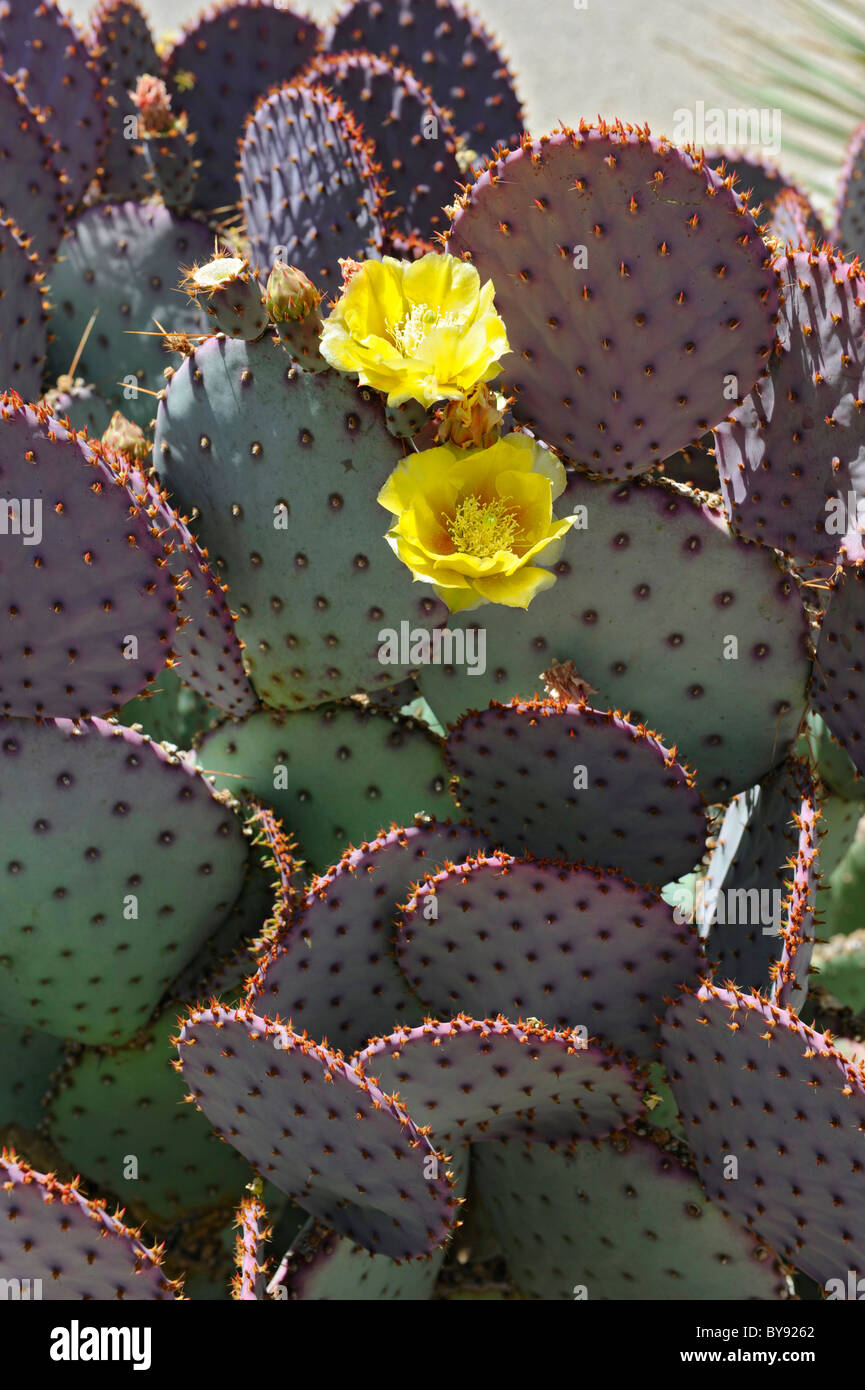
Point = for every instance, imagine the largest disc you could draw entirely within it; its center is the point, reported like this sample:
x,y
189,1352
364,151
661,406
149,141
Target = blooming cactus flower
x,y
478,524
422,330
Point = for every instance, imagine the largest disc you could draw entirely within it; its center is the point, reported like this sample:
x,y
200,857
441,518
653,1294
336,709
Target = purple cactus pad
x,y
564,781
575,947
318,1130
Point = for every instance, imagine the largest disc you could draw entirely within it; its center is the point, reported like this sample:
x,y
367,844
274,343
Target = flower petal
x,y
517,590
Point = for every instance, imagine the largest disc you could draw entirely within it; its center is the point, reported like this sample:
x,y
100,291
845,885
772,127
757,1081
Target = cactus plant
x,y
415,640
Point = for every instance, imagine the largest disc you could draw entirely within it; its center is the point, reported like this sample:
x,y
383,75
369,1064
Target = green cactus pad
x,y
284,467
110,1107
573,947
635,287
118,864
304,1117
839,964
332,775
124,260
565,781
30,1059
834,765
488,1079
839,821
667,615
622,1220
843,907
168,711
322,1265
332,973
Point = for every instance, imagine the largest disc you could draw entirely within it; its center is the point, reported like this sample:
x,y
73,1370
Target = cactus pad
x,y
206,645
30,1060
121,31
323,1265
606,236
623,1220
790,456
233,53
333,974
761,886
23,334
332,774
110,1106
85,578
450,51
272,458
837,684
698,634
413,137
51,1232
765,187
308,185
472,1079
60,78
635,808
848,233
30,188
573,947
303,1117
124,260
788,1107
119,863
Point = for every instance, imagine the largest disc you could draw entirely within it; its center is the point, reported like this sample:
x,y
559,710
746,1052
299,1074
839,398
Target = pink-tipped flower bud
x,y
290,295
125,437
153,103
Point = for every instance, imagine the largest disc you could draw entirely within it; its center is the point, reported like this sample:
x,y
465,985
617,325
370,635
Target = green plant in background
x,y
811,68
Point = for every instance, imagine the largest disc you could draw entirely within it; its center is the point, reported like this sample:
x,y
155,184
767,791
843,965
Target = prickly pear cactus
x,y
432,634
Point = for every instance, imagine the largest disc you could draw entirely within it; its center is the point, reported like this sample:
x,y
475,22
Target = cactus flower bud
x,y
125,437
290,295
153,103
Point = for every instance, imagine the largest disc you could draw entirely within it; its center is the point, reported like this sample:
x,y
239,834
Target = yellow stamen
x,y
482,528
418,322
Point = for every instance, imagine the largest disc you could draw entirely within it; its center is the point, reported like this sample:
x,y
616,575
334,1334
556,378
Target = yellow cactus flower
x,y
478,524
422,330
